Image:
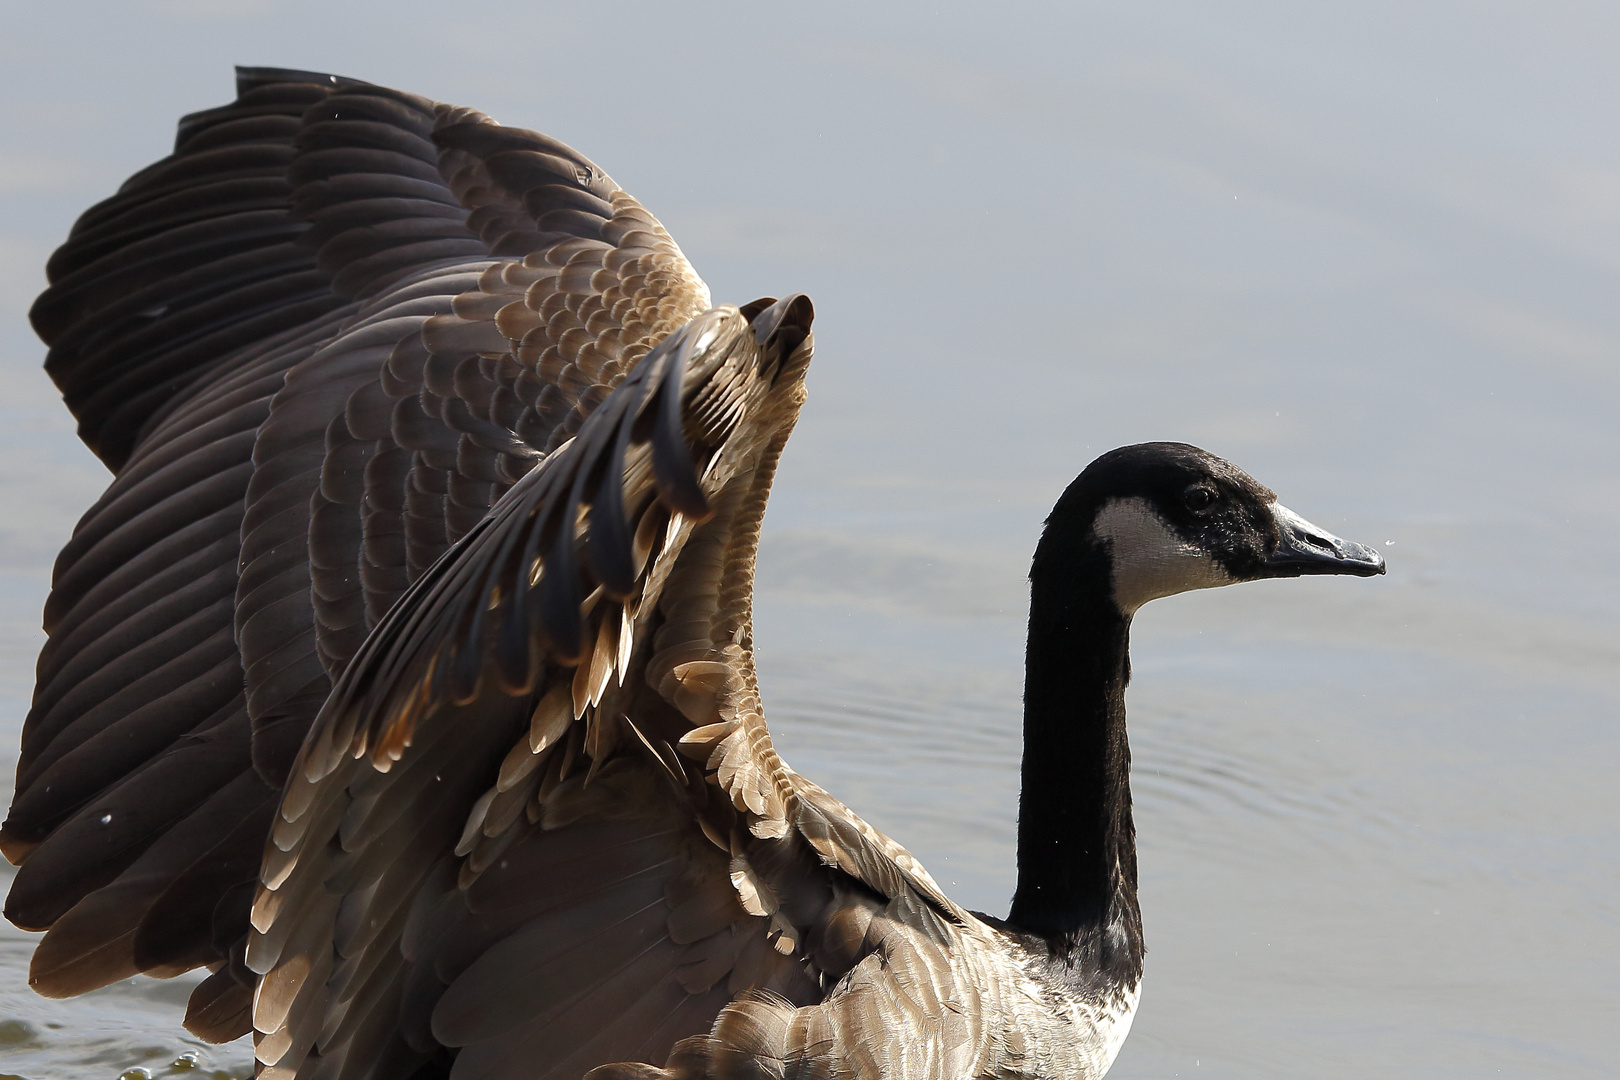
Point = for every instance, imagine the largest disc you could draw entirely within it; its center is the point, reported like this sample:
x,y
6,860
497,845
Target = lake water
x,y
1372,255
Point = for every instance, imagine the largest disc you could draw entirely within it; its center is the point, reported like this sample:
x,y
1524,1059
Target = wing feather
x,y
149,293
421,417
505,616
204,327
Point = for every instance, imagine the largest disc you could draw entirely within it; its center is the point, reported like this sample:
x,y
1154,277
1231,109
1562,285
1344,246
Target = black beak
x,y
1302,548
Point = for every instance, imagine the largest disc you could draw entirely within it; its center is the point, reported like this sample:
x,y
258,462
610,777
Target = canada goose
x,y
428,558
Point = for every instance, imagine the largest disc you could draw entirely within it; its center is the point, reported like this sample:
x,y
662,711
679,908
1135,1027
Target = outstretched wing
x,y
540,828
315,345
489,842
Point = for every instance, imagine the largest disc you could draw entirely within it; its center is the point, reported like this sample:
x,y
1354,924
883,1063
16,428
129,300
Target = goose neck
x,y
1076,840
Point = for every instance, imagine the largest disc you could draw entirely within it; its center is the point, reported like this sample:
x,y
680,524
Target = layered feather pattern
x,y
404,675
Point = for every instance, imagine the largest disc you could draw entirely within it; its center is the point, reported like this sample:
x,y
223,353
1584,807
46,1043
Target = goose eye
x,y
1199,498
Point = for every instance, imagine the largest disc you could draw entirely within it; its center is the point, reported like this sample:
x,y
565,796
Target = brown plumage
x,y
404,676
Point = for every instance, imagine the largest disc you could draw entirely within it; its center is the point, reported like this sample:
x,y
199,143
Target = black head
x,y
1169,517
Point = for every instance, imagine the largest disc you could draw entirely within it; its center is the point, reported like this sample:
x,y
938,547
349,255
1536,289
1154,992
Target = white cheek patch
x,y
1149,559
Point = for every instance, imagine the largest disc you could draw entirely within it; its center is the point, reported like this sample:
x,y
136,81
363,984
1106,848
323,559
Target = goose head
x,y
1164,518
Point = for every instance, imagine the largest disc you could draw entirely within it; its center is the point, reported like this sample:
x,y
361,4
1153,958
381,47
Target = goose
x,y
403,677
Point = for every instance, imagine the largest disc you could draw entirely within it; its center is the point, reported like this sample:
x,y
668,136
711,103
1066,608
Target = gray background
x,y
1369,252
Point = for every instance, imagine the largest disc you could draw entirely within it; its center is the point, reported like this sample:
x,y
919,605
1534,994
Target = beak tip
x,y
1305,549
1371,559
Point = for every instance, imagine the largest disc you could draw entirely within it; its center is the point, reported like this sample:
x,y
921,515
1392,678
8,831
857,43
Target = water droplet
x,y
106,819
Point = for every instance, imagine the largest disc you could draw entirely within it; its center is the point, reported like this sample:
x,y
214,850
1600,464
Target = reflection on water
x,y
1368,252
127,1030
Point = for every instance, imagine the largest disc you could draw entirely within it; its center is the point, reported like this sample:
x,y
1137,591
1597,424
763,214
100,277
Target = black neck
x,y
1076,841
